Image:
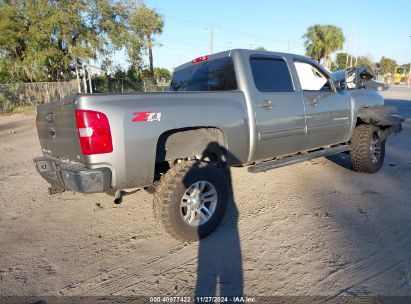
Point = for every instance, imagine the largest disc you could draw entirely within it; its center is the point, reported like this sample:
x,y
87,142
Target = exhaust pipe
x,y
118,197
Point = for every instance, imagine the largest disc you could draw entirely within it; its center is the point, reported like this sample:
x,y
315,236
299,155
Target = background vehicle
x,y
360,78
241,107
375,85
400,75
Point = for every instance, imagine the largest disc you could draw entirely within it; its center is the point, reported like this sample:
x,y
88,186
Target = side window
x,y
271,75
311,78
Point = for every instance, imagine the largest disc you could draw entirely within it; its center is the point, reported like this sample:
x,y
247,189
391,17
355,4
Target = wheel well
x,y
359,122
375,115
384,131
207,143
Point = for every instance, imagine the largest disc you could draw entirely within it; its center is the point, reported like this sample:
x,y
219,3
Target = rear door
x,y
279,110
328,113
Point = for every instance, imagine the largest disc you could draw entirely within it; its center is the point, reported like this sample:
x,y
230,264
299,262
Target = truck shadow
x,y
341,159
219,268
220,259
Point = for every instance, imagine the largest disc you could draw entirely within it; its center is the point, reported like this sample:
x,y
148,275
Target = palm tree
x,y
322,40
146,23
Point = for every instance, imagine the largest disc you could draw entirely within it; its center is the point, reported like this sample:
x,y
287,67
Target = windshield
x,y
213,75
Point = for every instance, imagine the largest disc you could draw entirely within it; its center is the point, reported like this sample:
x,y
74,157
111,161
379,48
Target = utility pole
x,y
290,45
84,77
212,30
409,76
348,52
78,78
89,78
409,73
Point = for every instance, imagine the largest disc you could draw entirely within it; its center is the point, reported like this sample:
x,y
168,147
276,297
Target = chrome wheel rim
x,y
375,148
199,203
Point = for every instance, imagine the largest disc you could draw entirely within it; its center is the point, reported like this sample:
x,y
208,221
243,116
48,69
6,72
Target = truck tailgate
x,y
56,125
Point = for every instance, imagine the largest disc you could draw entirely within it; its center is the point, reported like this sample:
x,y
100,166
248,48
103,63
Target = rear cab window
x,y
211,75
271,74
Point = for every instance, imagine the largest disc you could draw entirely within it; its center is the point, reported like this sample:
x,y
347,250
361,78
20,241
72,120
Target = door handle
x,y
266,105
313,102
316,99
49,117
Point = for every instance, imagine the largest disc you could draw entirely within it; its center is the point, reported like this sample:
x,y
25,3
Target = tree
x,y
44,39
145,23
322,40
341,61
387,65
162,75
364,61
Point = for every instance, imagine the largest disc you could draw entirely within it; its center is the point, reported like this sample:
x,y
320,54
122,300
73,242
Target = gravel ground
x,y
314,228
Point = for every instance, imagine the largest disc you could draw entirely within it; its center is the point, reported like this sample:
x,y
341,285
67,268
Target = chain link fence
x,y
126,85
29,94
16,95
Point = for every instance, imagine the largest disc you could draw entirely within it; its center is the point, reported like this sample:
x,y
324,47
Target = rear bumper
x,y
73,176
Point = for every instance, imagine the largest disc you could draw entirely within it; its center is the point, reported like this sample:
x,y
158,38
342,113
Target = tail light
x,y
94,132
201,59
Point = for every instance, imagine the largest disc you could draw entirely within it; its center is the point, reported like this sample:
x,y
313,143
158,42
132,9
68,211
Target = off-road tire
x,y
361,149
169,193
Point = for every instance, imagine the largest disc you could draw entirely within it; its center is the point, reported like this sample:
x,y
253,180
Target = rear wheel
x,y
389,80
367,149
191,199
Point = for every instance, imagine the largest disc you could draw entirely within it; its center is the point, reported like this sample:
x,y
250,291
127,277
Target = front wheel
x,y
191,199
367,149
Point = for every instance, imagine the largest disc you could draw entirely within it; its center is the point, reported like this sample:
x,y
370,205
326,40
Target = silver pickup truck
x,y
236,108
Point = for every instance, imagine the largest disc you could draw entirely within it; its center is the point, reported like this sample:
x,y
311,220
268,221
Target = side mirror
x,y
340,85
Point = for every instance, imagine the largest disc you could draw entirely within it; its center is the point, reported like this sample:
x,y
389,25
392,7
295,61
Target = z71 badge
x,y
146,116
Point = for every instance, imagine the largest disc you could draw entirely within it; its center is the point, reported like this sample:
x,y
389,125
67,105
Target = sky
x,y
371,28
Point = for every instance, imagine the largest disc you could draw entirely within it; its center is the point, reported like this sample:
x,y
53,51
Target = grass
x,y
28,109
24,109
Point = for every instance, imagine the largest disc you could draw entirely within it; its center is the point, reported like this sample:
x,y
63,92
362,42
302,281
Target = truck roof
x,y
229,53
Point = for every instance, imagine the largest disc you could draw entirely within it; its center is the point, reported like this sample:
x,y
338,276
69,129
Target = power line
x,y
182,38
227,30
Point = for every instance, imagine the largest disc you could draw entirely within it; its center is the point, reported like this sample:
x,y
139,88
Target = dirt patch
x,y
314,228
